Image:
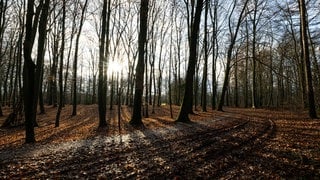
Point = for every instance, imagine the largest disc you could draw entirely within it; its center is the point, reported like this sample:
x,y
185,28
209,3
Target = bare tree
x,y
30,81
229,53
306,57
136,118
102,91
186,107
206,54
61,64
75,61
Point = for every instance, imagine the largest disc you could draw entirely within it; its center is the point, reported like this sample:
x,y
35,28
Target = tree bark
x,y
214,22
102,93
306,58
1,113
57,123
205,68
75,62
136,118
29,85
186,107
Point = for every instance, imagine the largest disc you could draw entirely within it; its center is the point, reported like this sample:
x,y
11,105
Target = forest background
x,y
146,54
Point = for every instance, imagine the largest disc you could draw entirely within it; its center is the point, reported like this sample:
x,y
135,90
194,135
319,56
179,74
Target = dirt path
x,y
230,145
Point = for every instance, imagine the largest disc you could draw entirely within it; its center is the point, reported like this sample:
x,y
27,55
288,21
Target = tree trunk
x,y
205,68
102,92
186,107
41,102
229,56
246,90
236,87
111,91
61,64
73,29
75,62
136,118
306,58
146,84
1,113
40,55
29,84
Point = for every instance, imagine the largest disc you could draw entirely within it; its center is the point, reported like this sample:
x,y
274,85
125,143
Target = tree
x,y
306,57
214,21
30,81
75,62
206,54
186,107
3,21
102,92
61,64
229,53
136,118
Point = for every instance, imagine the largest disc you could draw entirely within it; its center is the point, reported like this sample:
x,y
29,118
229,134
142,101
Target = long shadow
x,y
179,162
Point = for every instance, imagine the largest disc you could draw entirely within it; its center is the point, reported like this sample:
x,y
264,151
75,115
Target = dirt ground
x,y
237,143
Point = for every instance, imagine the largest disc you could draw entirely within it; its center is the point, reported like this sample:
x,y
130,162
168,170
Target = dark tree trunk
x,y
246,90
229,56
73,30
205,68
102,92
53,73
1,113
41,102
136,118
57,123
111,91
254,58
214,21
236,86
40,55
29,73
146,84
306,58
186,107
75,62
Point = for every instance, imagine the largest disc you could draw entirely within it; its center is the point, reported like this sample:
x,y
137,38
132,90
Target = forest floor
x,y
237,143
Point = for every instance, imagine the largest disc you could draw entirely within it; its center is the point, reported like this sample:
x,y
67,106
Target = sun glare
x,y
115,67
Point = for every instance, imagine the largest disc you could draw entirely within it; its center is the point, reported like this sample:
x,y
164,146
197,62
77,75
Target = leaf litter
x,y
239,143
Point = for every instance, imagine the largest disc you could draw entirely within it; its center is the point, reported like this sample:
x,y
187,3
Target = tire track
x,y
186,150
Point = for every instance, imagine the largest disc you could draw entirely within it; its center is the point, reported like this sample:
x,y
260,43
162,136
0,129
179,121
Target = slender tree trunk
x,y
53,73
40,55
146,105
75,62
102,93
205,68
169,78
246,90
61,64
229,56
214,21
186,107
254,57
111,91
1,113
270,103
236,86
41,102
136,118
73,28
